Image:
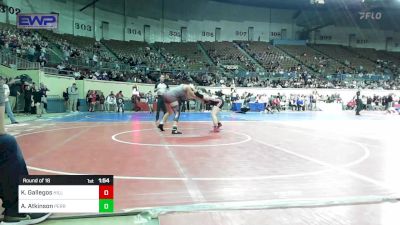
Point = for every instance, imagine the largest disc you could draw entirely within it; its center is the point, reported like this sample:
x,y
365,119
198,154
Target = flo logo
x,y
37,21
370,15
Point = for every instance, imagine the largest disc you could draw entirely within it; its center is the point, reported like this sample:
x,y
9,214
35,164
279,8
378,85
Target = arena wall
x,y
200,18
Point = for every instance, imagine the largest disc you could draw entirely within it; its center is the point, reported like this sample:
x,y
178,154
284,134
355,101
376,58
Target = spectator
x,y
300,103
37,102
65,97
93,99
101,100
76,74
88,98
150,101
14,93
8,108
120,102
369,103
389,101
73,97
276,104
12,165
27,98
135,99
43,91
95,59
111,101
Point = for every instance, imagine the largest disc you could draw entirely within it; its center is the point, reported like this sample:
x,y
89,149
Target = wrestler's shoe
x,y
176,132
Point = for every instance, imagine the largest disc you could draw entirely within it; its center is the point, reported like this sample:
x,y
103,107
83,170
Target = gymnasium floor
x,y
292,168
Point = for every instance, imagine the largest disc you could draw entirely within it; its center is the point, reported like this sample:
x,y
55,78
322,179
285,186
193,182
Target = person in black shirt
x,y
389,101
37,99
27,98
66,98
359,104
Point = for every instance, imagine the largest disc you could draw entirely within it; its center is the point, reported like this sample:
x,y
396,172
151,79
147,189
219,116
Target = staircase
x,y
203,50
323,53
254,61
56,55
104,47
297,60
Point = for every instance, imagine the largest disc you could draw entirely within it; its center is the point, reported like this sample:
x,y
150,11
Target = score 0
x,y
106,198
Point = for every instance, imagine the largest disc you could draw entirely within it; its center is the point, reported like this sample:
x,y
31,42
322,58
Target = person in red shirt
x,y
276,104
93,99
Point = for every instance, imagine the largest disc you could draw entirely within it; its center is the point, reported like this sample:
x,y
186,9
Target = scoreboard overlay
x,y
66,194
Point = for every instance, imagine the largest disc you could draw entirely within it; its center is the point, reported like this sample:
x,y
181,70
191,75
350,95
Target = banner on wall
x,y
37,20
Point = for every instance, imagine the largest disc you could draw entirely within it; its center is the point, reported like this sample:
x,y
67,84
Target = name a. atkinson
x,y
36,192
37,206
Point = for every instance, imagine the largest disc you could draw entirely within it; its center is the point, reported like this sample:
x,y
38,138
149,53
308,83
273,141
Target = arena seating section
x,y
226,53
141,53
355,62
183,55
202,62
317,61
271,58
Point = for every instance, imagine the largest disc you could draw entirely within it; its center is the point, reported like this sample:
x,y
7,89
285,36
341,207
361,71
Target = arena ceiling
x,y
333,12
306,4
117,5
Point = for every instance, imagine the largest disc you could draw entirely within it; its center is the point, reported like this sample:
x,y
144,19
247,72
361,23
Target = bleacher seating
x,y
183,55
225,53
270,57
384,62
313,59
23,43
79,50
348,58
186,62
136,53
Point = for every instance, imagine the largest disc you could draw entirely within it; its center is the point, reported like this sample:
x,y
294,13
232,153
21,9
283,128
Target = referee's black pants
x,y
160,106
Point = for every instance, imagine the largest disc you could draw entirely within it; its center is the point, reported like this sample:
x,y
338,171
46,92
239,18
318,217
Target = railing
x,y
366,77
23,64
55,71
82,62
50,70
10,60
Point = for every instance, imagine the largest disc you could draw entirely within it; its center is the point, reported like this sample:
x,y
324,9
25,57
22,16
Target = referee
x,y
160,89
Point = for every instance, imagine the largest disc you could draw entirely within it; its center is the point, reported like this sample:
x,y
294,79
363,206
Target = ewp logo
x,y
37,21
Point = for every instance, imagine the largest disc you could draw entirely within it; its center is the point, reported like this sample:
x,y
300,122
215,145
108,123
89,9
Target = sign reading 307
x,y
37,20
